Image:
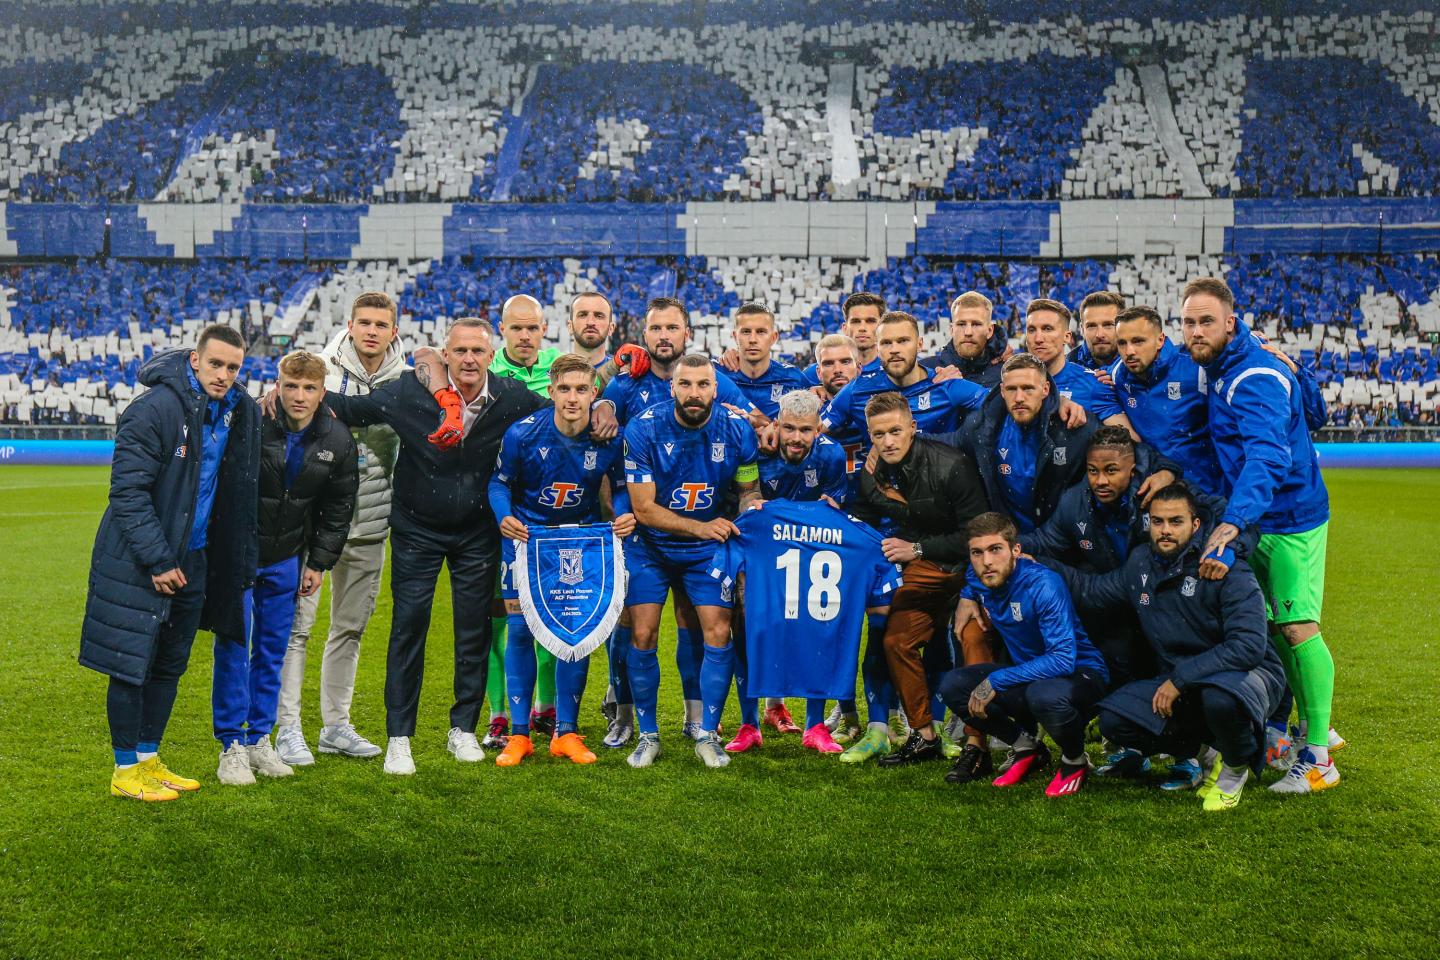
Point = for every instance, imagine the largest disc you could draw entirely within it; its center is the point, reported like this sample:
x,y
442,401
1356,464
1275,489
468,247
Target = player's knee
x,y
1297,633
643,639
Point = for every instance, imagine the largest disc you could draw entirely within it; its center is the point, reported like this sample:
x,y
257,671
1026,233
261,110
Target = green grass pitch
x,y
783,854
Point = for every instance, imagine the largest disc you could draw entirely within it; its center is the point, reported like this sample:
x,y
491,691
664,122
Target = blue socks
x,y
126,758
618,653
570,680
519,672
880,697
645,685
689,655
715,674
814,713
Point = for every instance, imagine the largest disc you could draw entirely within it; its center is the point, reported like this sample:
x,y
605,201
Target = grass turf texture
x,y
785,853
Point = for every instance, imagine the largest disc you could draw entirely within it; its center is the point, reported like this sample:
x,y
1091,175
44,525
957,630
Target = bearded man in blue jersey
x,y
681,461
804,467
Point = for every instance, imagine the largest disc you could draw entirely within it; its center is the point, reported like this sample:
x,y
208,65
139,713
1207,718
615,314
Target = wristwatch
x,y
919,550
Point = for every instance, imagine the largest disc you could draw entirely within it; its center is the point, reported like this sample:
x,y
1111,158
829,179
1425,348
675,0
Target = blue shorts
x,y
507,570
651,577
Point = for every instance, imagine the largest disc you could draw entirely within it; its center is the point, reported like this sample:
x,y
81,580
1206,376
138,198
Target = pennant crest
x,y
717,453
571,582
592,459
1172,390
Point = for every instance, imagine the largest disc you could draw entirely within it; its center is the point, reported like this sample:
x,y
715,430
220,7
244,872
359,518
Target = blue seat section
x,y
631,282
56,229
697,123
129,157
478,287
924,288
290,232
1365,225
1035,112
1299,291
131,237
564,230
89,299
1302,118
334,125
28,85
1013,228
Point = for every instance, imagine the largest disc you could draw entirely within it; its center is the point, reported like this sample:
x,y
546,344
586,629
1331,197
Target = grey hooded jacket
x,y
375,446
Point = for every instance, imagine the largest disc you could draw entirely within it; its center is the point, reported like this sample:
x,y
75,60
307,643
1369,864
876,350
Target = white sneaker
x,y
647,748
265,761
291,746
464,746
234,768
397,757
712,752
618,733
343,739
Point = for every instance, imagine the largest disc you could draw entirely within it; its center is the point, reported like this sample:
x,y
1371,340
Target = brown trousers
x,y
926,600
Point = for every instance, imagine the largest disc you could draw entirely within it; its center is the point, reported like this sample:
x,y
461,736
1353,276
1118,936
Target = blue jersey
x,y
693,469
1034,615
550,478
823,471
632,396
812,572
1079,385
938,407
1168,406
766,390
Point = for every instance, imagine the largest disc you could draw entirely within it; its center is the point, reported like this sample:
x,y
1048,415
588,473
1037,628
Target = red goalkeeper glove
x,y
637,360
452,429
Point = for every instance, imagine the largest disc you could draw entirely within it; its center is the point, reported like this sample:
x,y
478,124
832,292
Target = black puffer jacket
x,y
313,516
934,492
984,369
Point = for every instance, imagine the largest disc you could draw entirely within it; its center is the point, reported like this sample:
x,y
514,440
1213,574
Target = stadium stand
x,y
260,162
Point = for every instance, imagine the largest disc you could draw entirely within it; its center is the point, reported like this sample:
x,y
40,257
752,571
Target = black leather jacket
x,y
932,494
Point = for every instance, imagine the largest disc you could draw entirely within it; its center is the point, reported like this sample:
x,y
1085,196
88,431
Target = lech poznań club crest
x,y
572,566
717,453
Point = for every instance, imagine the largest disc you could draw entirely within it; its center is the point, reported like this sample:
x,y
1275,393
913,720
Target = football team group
x,y
1101,536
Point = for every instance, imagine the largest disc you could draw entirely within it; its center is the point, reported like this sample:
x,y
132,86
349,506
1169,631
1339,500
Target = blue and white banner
x,y
571,582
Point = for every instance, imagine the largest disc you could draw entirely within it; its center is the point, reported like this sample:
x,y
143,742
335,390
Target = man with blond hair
x,y
978,344
307,496
360,358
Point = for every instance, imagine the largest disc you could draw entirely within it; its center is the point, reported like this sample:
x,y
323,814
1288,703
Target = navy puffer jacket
x,y
146,528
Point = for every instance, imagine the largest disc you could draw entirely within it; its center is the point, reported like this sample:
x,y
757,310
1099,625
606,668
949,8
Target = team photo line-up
x,y
1127,534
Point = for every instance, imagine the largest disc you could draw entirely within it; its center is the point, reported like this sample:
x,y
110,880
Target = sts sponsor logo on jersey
x,y
690,497
559,495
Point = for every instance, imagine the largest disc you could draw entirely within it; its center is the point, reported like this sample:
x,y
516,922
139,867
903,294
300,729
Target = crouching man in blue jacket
x,y
1219,676
1057,675
308,477
176,548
